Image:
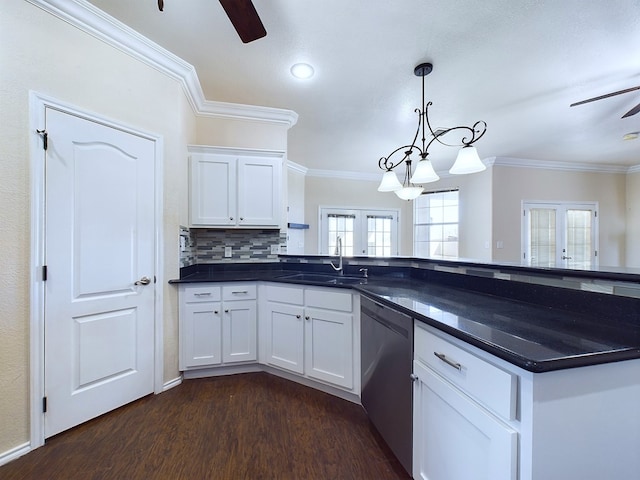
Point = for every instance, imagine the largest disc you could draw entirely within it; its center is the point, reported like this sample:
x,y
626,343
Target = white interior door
x,y
99,252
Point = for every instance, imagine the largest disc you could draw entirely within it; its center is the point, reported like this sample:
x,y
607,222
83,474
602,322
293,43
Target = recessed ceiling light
x,y
302,71
631,136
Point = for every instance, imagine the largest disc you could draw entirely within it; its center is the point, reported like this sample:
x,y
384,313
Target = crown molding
x,y
90,19
296,167
634,169
556,165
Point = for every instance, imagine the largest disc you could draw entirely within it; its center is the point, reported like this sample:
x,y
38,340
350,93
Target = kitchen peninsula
x,y
548,360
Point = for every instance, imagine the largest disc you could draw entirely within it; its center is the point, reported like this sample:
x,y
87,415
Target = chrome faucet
x,y
339,253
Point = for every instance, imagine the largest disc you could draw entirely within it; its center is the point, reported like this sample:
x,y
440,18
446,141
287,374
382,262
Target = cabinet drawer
x,y
239,291
480,379
285,294
328,299
200,293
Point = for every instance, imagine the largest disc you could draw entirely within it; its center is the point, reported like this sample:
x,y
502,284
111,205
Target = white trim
x,y
90,19
13,453
37,105
296,167
634,169
172,383
557,165
250,152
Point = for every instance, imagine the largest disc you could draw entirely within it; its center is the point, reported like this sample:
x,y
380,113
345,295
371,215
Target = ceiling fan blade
x,y
612,94
244,19
633,111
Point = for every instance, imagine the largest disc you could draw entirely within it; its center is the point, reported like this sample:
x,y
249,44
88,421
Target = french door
x,y
560,234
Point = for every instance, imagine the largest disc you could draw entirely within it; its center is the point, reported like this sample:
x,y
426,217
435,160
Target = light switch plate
x,y
227,252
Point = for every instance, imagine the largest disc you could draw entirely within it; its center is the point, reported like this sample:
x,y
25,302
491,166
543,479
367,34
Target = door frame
x,y
594,206
37,107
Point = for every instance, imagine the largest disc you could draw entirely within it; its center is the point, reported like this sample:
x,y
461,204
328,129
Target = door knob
x,y
143,281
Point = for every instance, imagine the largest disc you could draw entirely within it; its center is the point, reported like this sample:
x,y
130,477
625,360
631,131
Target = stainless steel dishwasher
x,y
387,386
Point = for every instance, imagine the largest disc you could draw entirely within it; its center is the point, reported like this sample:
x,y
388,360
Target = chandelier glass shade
x,y
467,160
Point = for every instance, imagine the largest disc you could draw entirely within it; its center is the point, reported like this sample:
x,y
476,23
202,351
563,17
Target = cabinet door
x,y
259,185
328,346
213,189
201,338
285,337
239,333
454,438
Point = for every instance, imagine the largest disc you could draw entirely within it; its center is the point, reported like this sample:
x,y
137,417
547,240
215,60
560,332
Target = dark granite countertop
x,y
534,337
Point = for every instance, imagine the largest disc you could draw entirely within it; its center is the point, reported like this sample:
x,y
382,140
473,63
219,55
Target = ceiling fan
x,y
243,16
631,112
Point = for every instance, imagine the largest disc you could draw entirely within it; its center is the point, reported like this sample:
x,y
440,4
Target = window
x,y
560,234
363,232
435,218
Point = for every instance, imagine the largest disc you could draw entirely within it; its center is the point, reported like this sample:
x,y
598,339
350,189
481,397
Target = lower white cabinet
x,y
311,331
479,417
456,438
218,324
458,433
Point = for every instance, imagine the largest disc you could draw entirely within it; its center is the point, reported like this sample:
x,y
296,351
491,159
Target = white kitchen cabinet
x,y
311,331
477,416
218,325
457,434
235,188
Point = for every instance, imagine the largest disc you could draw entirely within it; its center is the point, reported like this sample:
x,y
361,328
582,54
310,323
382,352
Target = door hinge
x,y
44,273
45,138
44,404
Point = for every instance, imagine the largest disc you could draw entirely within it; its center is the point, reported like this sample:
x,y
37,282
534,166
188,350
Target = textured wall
x,y
41,53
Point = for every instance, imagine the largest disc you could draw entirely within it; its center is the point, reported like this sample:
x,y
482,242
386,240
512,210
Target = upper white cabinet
x,y
235,188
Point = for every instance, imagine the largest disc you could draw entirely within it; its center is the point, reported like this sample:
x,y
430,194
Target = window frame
x,y
457,223
360,228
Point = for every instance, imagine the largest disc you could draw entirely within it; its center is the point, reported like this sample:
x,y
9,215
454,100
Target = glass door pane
x,y
578,239
543,237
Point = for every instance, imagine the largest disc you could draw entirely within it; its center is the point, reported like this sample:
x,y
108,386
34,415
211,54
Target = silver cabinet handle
x,y
413,377
202,294
243,292
143,281
566,258
448,361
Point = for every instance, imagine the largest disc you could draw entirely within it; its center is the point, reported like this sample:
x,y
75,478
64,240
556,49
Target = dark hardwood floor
x,y
250,426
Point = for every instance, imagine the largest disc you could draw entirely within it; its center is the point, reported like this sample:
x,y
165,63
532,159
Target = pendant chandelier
x,y
467,160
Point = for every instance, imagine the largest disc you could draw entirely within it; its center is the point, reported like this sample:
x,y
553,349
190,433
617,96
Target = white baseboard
x,y
14,453
172,383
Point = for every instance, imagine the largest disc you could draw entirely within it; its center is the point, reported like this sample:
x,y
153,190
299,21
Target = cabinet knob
x,y
241,218
230,218
215,311
307,317
414,377
226,310
298,316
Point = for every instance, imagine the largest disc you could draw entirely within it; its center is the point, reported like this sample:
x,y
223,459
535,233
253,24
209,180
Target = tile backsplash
x,y
209,245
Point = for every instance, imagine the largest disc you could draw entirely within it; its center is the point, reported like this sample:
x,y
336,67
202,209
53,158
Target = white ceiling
x,y
515,64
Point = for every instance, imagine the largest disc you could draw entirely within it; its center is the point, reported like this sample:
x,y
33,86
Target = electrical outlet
x,y
227,252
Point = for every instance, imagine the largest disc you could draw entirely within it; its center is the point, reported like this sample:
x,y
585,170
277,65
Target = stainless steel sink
x,y
323,278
